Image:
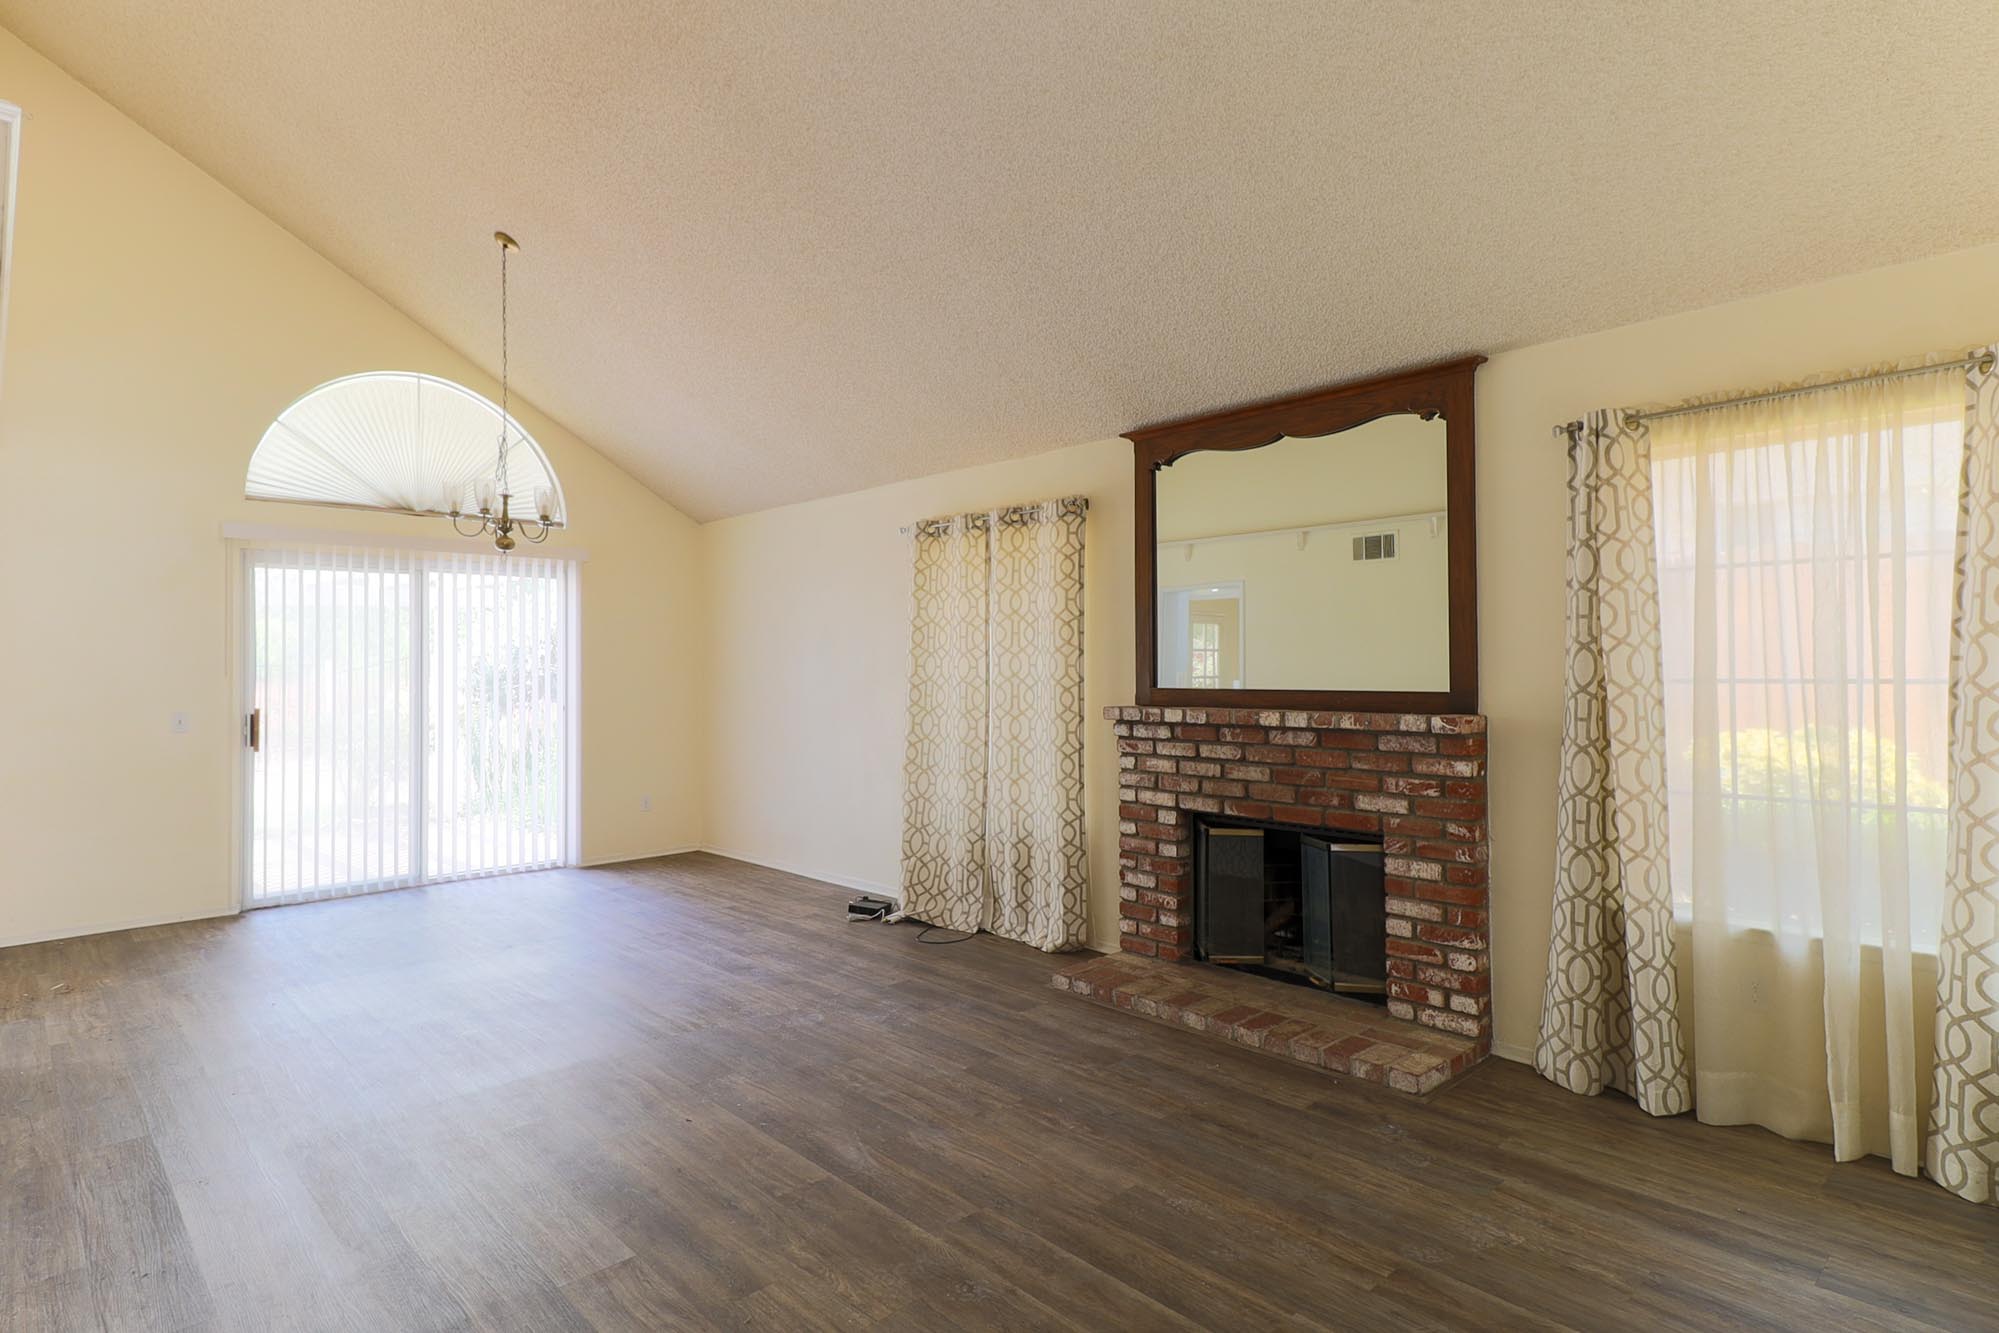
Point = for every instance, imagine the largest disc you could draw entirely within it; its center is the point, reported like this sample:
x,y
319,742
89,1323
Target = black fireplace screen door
x,y
1229,878
1345,916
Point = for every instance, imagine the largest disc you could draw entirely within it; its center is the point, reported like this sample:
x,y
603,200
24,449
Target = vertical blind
x,y
412,717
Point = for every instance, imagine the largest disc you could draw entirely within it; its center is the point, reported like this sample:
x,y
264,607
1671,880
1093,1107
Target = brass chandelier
x,y
495,497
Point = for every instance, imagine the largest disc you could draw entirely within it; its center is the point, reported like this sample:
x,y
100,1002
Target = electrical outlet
x,y
178,724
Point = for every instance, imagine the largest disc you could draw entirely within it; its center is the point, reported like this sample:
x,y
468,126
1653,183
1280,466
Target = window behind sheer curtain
x,y
1805,558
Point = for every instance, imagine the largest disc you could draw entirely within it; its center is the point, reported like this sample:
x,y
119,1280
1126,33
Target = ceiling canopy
x,y
397,441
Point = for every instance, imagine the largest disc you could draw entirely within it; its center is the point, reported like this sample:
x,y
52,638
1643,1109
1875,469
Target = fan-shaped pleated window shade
x,y
395,440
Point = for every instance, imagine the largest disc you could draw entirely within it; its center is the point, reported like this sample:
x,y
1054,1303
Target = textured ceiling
x,y
782,249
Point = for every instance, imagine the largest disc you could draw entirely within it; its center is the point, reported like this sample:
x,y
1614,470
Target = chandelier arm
x,y
462,532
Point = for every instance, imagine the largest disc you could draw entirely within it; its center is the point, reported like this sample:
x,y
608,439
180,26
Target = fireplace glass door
x,y
1292,905
1229,921
1346,921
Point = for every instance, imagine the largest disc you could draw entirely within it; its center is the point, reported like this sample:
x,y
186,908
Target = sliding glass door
x,y
407,718
495,689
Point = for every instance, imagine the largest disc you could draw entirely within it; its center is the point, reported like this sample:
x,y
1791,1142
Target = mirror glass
x,y
1314,564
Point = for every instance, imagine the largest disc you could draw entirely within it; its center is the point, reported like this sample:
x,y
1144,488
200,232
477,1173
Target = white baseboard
x,y
111,927
1506,1050
843,882
622,859
835,881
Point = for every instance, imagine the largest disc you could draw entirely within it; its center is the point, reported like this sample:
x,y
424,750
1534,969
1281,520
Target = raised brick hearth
x,y
1290,1022
1417,781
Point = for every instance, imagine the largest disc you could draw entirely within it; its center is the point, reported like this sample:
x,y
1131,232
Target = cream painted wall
x,y
809,633
158,324
810,613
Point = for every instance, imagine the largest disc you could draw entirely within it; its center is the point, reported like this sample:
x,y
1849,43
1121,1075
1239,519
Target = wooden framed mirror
x,y
1319,552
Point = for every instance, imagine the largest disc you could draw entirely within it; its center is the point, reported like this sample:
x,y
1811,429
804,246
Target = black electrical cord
x,y
924,938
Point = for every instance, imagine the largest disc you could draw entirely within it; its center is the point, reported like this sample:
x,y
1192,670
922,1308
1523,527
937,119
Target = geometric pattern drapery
x,y
944,762
1962,1152
993,769
1610,1012
1037,865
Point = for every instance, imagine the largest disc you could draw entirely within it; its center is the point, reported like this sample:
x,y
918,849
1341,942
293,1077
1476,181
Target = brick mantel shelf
x,y
1415,780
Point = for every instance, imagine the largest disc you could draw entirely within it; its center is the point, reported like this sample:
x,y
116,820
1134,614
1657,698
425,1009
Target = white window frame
x,y
1195,651
1237,589
10,170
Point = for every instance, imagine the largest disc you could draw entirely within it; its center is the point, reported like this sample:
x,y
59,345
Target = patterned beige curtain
x,y
1963,1148
993,771
1034,813
944,762
1610,1013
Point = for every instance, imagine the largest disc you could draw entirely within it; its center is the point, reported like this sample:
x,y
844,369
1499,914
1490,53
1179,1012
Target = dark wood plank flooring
x,y
686,1094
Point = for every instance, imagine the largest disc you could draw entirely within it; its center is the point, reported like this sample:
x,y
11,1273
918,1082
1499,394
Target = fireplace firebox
x,y
1292,904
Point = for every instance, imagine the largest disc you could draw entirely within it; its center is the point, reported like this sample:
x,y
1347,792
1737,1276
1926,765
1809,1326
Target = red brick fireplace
x,y
1415,781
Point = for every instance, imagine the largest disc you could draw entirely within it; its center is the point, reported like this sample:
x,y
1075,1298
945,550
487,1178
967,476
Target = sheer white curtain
x,y
1805,551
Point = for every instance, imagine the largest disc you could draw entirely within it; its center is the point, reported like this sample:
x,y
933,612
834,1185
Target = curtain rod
x,y
1983,360
1067,504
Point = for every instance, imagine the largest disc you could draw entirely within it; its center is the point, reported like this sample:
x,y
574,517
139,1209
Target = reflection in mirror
x,y
1313,564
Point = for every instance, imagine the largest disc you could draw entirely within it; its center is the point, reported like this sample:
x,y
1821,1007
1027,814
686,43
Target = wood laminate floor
x,y
686,1094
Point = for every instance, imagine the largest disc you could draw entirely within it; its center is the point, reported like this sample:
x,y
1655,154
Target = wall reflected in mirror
x,y
1308,564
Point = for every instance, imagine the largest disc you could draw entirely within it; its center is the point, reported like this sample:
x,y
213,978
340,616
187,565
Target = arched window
x,y
397,441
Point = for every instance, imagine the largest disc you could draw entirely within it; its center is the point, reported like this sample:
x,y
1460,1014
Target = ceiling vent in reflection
x,y
1374,546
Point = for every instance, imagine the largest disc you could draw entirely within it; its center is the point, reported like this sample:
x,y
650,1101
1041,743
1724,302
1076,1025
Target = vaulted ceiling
x,y
788,248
